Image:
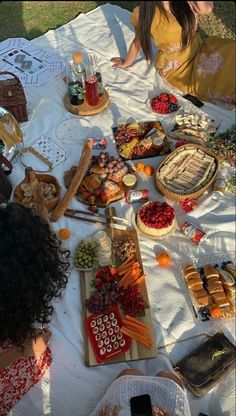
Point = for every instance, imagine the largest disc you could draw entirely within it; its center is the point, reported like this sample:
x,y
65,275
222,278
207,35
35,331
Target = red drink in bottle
x,y
91,88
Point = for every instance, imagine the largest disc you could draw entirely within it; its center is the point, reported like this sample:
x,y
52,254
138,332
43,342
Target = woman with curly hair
x,y
33,271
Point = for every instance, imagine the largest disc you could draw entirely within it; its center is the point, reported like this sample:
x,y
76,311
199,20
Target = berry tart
x,y
164,103
156,219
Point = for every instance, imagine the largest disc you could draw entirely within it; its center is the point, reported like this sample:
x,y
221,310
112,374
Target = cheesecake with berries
x,y
156,218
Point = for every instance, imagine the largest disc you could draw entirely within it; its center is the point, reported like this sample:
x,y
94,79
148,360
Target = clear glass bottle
x,y
91,87
98,73
79,66
75,88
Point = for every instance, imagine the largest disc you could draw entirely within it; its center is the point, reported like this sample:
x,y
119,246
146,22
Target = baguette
x,y
213,280
75,183
193,276
195,286
187,273
210,271
227,278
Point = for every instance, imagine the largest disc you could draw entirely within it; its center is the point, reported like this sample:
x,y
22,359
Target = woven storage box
x,y
177,197
12,97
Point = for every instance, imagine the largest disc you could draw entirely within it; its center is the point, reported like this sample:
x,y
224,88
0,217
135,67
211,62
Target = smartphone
x,y
141,405
194,100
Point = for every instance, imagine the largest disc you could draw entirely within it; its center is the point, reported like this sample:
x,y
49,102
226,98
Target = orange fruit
x,y
140,166
64,234
149,170
163,259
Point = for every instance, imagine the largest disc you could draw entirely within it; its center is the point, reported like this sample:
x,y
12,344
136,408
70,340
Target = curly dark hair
x,y
33,271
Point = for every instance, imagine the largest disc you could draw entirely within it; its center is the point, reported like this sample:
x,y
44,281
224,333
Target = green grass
x,y
30,19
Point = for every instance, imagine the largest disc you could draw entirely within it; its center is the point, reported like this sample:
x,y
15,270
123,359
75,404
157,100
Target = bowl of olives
x,y
86,255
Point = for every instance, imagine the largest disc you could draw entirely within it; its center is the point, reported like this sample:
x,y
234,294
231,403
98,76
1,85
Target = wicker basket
x,y
180,197
12,97
18,194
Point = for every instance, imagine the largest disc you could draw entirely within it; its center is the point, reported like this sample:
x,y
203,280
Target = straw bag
x,y
12,97
5,185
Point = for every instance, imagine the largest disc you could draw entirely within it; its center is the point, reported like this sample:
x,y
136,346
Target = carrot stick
x,y
135,327
136,321
139,280
132,266
126,262
147,341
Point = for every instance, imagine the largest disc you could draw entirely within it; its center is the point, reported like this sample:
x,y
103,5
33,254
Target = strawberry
x,y
98,283
172,99
164,96
99,274
113,271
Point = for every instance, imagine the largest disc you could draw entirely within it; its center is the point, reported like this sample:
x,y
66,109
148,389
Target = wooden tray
x,y
137,351
98,203
85,109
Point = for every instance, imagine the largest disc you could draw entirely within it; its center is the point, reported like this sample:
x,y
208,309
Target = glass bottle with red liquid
x,y
91,87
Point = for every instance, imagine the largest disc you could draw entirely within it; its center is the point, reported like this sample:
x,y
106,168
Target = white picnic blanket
x,y
70,388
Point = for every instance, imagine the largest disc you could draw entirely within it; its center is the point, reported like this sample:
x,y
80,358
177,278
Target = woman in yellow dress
x,y
204,68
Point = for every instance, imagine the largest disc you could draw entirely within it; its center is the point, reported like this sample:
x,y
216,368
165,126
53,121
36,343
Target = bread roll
x,y
231,268
210,271
204,301
199,293
218,296
190,271
227,278
215,288
223,302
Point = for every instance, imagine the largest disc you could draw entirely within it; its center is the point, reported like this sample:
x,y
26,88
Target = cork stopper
x,y
77,57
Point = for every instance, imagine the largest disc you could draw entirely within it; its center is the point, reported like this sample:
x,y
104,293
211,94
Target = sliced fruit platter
x,y
115,302
103,182
136,140
164,104
187,172
212,289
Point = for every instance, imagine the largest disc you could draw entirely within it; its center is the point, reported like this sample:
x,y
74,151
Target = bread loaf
x,y
190,271
204,301
231,268
199,293
227,278
215,288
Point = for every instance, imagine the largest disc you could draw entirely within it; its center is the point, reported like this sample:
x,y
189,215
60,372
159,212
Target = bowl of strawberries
x,y
164,104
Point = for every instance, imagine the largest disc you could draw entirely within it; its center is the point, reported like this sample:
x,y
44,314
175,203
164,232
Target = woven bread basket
x,y
18,195
177,197
12,96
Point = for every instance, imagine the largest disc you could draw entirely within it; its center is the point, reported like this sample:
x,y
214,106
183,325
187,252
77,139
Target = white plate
x,y
133,220
74,130
148,104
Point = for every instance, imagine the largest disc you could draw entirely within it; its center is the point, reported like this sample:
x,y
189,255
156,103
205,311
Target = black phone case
x,y
201,370
194,100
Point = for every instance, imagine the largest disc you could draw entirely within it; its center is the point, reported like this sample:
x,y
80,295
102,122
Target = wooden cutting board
x,y
85,109
137,351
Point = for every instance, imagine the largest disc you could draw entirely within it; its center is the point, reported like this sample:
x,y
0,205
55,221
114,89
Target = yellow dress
x,y
205,68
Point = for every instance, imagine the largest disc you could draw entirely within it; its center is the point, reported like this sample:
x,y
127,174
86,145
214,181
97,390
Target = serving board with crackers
x,y
117,327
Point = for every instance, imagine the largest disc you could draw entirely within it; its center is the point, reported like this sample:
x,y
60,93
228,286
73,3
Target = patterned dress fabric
x,y
205,68
17,378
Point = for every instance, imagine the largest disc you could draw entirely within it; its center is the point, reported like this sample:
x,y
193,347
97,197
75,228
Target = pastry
x,y
231,268
216,287
98,170
156,218
110,188
210,271
91,182
227,278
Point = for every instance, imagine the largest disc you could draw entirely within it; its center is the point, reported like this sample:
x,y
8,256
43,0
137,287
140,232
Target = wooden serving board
x,y
137,351
85,109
